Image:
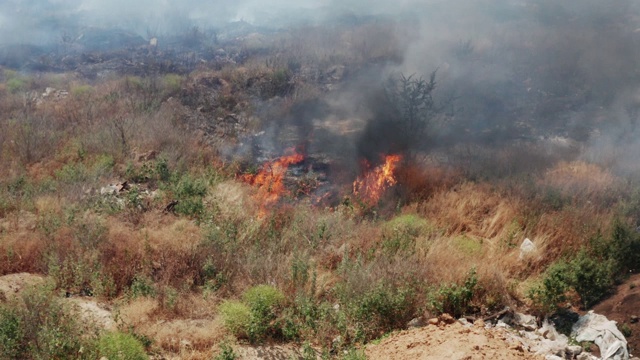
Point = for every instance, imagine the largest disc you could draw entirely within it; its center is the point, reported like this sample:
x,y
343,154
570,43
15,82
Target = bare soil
x,y
453,341
13,284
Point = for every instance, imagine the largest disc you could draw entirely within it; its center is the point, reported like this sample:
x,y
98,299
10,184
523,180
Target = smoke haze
x,y
517,69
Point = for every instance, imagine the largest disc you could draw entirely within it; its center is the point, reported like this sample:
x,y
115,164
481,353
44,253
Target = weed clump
x,y
121,346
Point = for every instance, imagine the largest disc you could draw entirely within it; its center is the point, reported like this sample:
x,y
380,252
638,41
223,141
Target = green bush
x,y
142,286
455,299
226,352
40,326
263,296
257,316
12,336
400,233
264,302
121,346
15,85
556,281
589,276
236,316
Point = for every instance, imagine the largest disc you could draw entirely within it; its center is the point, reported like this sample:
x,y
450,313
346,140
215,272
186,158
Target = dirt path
x,y
453,341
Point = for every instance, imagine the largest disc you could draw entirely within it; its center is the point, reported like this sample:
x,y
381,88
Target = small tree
x,y
405,116
414,104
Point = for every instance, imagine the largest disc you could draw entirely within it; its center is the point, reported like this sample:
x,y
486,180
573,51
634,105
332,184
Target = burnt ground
x,y
621,307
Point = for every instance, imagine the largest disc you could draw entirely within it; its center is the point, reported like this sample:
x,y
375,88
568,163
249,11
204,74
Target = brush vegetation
x,y
216,264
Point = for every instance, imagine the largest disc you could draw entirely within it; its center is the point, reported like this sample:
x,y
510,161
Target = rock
x,y
109,190
574,350
479,323
446,318
433,321
501,324
527,248
464,322
146,156
586,356
553,357
415,323
527,322
604,333
633,319
336,72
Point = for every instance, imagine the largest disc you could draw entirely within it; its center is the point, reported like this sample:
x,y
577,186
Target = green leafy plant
x,y
237,317
121,346
226,352
455,299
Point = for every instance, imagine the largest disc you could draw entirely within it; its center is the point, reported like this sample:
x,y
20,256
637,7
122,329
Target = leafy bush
x,y
255,317
264,302
121,346
455,299
400,233
226,352
591,278
263,296
12,337
142,286
15,85
42,327
237,317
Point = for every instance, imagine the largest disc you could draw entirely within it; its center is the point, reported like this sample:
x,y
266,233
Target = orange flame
x,y
372,185
269,179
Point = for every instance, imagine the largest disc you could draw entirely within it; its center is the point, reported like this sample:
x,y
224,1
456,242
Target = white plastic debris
x,y
604,333
527,248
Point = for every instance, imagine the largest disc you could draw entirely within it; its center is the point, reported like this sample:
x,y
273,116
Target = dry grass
x,y
583,181
191,336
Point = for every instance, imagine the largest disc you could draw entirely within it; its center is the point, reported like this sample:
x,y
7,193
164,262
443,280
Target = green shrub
x,y
400,233
591,277
15,85
455,299
354,354
256,317
72,173
40,326
142,286
556,281
226,352
236,316
12,336
121,346
263,296
172,83
264,302
82,91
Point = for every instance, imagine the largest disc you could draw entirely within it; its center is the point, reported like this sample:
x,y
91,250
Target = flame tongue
x,y
270,178
372,185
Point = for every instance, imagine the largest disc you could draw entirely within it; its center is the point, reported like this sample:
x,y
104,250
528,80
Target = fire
x,y
270,178
373,184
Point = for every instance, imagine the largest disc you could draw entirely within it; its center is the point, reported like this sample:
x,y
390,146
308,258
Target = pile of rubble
x,y
544,339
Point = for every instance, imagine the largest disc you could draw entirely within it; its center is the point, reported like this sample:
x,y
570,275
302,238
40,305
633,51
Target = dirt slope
x,y
621,307
455,342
